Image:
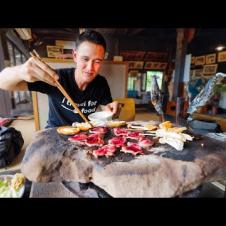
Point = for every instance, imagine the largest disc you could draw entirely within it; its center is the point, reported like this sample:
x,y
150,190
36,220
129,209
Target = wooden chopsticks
x,y
36,56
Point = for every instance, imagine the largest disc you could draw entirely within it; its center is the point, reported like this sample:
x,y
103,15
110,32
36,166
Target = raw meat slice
x,y
99,152
145,143
106,150
94,140
79,138
135,135
120,131
117,141
111,149
132,148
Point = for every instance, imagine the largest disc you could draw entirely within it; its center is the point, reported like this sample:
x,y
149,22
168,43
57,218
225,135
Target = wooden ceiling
x,y
205,40
71,33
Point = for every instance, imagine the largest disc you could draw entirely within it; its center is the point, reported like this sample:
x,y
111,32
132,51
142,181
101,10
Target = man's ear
x,y
74,55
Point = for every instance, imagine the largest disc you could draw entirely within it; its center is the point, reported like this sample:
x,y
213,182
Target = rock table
x,y
164,172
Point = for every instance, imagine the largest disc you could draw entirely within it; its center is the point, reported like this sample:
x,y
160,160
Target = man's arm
x,y
10,79
16,78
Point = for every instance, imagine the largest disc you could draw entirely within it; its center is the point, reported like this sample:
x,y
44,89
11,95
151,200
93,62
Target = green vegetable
x,y
4,189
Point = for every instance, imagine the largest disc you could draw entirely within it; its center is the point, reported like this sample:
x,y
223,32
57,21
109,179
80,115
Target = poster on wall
x,y
210,69
155,65
221,56
200,60
198,72
211,58
156,56
135,64
132,55
54,51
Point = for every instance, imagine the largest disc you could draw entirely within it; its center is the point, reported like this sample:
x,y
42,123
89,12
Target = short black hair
x,y
91,36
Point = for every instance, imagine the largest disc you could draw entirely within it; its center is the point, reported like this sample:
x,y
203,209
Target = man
x,y
83,84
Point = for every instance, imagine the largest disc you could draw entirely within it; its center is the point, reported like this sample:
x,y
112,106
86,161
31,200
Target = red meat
x,y
94,140
132,148
106,150
135,135
117,141
79,138
145,143
120,131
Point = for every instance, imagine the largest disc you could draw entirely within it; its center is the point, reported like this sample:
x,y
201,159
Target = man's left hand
x,y
112,107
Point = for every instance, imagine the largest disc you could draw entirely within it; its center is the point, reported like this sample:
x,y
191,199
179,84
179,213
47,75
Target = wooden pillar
x,y
179,63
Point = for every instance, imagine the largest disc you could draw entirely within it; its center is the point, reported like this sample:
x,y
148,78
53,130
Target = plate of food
x,y
12,186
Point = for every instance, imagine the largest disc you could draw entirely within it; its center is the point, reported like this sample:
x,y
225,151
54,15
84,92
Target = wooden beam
x,y
136,31
179,63
36,111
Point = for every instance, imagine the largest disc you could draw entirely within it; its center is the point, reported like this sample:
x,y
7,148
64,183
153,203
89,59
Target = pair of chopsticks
x,y
36,56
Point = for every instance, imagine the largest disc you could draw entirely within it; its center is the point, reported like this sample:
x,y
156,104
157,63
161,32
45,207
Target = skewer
x,y
162,118
36,56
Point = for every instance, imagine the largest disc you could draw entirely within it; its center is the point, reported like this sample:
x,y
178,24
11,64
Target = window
x,y
11,53
131,83
143,81
23,58
149,75
16,57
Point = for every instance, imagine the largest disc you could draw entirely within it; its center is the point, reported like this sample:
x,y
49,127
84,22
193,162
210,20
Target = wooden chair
x,y
127,111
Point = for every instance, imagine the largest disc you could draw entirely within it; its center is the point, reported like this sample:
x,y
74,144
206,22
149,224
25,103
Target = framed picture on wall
x,y
135,64
162,66
221,56
156,56
54,51
148,65
198,72
200,60
210,69
132,55
193,60
155,65
211,58
192,73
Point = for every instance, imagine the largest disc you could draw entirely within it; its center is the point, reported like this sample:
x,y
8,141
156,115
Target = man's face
x,y
88,58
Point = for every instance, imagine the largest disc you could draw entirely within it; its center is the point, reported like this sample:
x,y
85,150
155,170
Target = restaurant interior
x,y
183,60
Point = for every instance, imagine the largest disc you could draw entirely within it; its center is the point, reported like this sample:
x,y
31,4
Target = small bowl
x,y
101,116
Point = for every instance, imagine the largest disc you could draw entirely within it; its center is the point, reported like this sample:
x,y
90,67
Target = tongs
x,y
36,56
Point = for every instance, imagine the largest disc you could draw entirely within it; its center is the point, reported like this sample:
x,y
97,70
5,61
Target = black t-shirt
x,y
61,112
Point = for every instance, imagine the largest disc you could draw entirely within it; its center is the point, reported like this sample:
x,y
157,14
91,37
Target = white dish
x,y
97,123
11,193
101,116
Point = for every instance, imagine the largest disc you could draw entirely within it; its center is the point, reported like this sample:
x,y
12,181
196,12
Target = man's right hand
x,y
34,70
